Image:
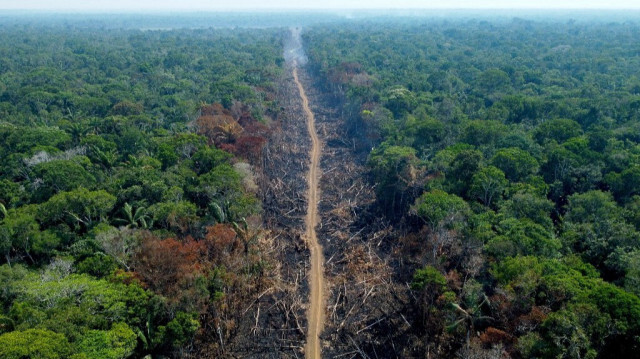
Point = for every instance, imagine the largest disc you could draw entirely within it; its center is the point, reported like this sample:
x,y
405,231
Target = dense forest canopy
x,y
118,204
510,151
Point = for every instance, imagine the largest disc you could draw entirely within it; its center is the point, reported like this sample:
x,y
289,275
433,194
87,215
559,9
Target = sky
x,y
159,5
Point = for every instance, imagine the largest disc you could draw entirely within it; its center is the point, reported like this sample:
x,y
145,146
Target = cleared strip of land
x,y
315,315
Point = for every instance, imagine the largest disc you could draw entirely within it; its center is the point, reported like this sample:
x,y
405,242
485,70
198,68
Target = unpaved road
x,y
315,314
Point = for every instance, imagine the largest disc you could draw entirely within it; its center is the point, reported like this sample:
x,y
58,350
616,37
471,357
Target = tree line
x,y
126,184
507,152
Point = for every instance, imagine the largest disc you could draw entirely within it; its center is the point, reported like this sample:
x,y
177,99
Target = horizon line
x,y
314,9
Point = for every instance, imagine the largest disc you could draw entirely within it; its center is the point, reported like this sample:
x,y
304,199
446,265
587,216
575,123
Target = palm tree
x,y
219,213
241,227
472,316
107,158
135,218
77,131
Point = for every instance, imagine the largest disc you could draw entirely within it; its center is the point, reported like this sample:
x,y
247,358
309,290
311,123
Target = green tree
x,y
71,303
558,130
20,232
208,158
488,184
61,175
626,183
632,273
117,343
515,163
531,206
12,194
494,83
222,182
483,133
179,331
426,132
400,101
521,108
594,228
79,207
591,207
34,343
134,218
394,169
126,108
25,138
432,297
461,170
180,216
523,237
429,277
565,337
438,208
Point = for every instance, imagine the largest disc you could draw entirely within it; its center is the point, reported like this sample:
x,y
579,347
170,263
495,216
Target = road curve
x,y
315,314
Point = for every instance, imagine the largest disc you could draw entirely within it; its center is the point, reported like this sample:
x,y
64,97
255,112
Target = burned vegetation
x,y
479,189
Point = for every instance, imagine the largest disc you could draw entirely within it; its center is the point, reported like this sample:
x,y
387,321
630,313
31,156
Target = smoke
x,y
293,50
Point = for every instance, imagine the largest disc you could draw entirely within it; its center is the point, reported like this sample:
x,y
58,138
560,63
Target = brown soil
x,y
315,314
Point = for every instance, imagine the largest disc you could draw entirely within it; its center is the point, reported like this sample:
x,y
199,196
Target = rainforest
x,y
314,184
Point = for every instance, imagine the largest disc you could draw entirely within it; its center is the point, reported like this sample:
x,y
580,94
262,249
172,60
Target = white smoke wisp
x,y
293,50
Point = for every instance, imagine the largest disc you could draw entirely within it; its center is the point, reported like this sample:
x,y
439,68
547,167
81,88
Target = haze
x,y
101,5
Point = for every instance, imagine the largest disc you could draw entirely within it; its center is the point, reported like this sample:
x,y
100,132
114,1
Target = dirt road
x,y
315,314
